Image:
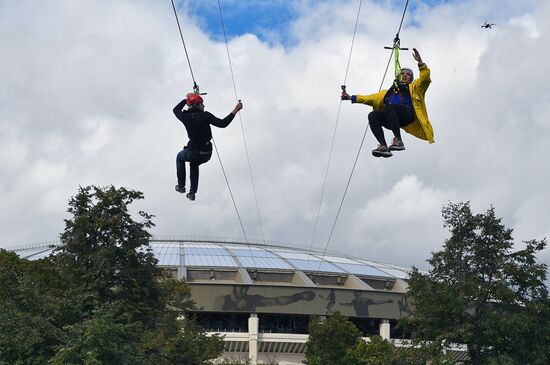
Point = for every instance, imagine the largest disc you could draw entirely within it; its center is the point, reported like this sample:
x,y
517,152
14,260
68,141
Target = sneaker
x,y
191,196
397,145
180,189
381,151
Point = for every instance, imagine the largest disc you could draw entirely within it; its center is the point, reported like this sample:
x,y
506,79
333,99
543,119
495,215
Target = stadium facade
x,y
260,296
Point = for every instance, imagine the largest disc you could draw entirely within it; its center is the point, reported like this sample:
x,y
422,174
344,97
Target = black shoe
x,y
180,189
190,196
381,151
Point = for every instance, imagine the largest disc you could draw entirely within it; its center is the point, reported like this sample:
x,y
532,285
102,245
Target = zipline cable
x,y
384,77
358,153
245,145
334,131
242,126
195,87
183,42
230,191
402,18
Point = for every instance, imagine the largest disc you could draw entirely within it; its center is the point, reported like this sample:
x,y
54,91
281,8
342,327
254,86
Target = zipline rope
x,y
242,125
358,152
230,191
244,140
334,131
214,142
385,72
396,49
183,42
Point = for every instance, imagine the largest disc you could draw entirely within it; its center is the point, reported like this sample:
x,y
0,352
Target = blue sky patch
x,y
268,20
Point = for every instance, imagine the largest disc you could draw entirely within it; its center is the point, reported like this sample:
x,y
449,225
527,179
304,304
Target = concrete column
x,y
182,272
253,323
385,329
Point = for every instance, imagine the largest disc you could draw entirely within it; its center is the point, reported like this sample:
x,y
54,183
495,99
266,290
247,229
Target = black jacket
x,y
198,124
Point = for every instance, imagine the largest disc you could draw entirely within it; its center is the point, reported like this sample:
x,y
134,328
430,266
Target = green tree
x,y
100,298
375,352
330,339
336,341
378,351
190,346
105,255
102,338
28,310
483,293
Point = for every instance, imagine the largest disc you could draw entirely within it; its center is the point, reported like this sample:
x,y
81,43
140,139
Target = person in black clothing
x,y
199,148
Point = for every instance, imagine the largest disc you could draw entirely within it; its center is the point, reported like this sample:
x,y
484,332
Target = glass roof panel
x,y
310,265
241,247
278,249
368,262
297,256
41,255
383,266
29,253
391,266
337,259
204,245
255,253
167,255
363,270
264,263
210,260
396,273
217,251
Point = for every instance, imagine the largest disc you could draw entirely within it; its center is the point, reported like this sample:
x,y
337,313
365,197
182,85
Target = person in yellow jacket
x,y
401,106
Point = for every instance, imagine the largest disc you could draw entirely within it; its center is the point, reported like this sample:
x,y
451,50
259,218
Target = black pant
x,y
195,158
392,116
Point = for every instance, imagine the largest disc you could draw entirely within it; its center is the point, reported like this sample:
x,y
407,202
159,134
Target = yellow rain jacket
x,y
420,126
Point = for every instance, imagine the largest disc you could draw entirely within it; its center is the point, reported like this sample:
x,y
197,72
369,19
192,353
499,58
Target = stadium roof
x,y
221,253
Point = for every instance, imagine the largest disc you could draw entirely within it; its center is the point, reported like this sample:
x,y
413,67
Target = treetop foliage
x,y
99,298
483,292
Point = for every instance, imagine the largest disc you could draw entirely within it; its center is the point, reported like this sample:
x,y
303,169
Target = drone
x,y
487,25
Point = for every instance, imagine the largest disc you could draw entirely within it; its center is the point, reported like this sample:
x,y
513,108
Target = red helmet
x,y
193,99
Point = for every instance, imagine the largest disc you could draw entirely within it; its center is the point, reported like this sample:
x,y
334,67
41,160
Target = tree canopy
x,y
336,341
483,292
330,339
99,298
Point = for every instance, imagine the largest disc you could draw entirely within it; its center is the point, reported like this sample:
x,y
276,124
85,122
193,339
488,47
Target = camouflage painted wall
x,y
292,300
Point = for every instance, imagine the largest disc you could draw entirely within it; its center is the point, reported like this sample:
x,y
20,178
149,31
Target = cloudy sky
x,y
87,90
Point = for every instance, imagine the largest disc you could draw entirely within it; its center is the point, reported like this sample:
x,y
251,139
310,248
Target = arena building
x,y
260,296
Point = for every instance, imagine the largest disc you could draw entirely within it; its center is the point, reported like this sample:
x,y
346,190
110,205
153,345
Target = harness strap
x,y
396,47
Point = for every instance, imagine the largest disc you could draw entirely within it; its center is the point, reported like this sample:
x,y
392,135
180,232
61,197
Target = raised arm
x,y
424,78
222,123
178,109
416,56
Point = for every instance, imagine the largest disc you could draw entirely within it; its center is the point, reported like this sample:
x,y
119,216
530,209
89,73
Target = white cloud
x,y
13,150
87,91
530,223
99,133
404,222
528,23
